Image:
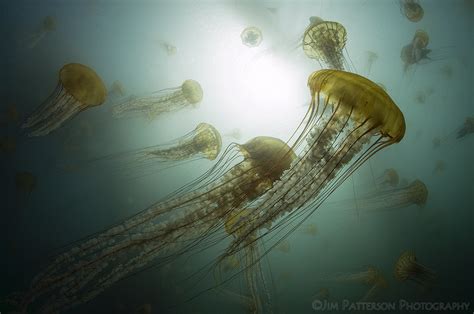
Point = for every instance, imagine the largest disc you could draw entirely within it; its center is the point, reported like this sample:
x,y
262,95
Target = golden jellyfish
x,y
325,41
25,182
79,88
251,36
389,178
371,277
467,128
47,25
412,10
371,58
284,246
407,267
202,142
416,52
310,229
189,94
274,187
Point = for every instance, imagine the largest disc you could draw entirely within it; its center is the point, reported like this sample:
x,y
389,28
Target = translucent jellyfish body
x,y
79,88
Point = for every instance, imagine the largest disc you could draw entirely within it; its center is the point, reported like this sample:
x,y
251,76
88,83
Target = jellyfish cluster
x,y
416,52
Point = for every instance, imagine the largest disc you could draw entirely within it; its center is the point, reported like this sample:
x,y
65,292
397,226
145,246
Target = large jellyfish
x,y
412,10
350,118
408,268
78,89
325,42
416,52
47,25
166,100
251,36
467,128
202,142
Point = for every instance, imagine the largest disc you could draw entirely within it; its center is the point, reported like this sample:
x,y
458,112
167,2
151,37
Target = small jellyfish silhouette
x,y
189,94
436,142
170,49
25,182
117,90
47,25
284,246
251,36
371,58
412,10
440,167
389,178
416,52
325,41
408,268
447,71
310,229
235,134
78,89
467,128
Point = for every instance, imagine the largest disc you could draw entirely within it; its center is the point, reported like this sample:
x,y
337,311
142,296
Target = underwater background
x,y
247,92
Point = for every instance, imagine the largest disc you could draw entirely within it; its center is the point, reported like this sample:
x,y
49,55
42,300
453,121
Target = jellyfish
x,y
440,167
436,142
389,178
310,229
25,182
408,268
447,71
78,89
251,36
324,41
202,142
371,277
47,25
322,294
189,94
387,199
116,90
274,186
416,52
170,49
235,134
284,246
467,128
371,58
422,95
412,10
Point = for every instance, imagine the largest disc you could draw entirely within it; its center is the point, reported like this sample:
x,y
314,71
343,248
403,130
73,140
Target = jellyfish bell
x,y
467,128
117,89
325,41
48,24
389,178
251,36
189,94
79,88
412,10
421,39
407,268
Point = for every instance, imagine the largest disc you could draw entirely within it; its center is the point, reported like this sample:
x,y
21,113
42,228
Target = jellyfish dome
x,y
78,89
412,10
407,267
421,39
325,41
251,36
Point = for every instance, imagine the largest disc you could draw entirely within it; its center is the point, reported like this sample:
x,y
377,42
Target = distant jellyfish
x,y
25,182
416,52
189,94
321,295
436,142
204,142
412,10
284,246
440,167
116,90
325,41
47,25
371,277
170,49
251,36
10,115
235,134
78,89
371,58
407,268
389,178
7,144
310,229
467,128
447,71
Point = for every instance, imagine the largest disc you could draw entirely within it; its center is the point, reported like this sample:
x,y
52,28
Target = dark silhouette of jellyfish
x,y
325,41
78,89
412,10
170,49
117,90
467,128
350,118
236,134
422,95
47,25
408,268
251,36
189,94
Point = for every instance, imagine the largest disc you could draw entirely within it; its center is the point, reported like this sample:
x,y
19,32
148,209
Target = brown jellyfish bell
x,y
189,94
325,41
79,88
251,36
389,178
47,25
407,268
412,10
